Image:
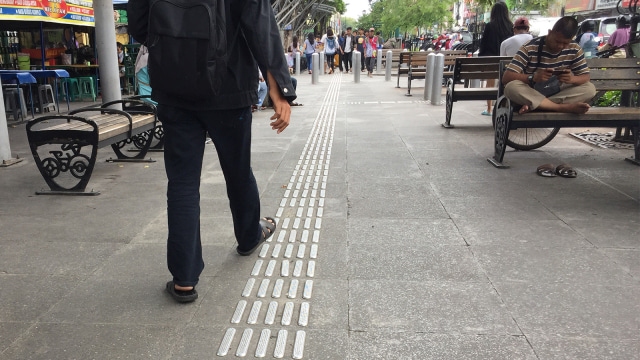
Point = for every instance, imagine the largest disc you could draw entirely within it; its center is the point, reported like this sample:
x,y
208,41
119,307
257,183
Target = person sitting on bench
x,y
540,59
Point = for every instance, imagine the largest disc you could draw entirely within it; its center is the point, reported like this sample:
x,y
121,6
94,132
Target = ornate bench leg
x,y
158,134
141,141
502,123
636,146
68,165
449,105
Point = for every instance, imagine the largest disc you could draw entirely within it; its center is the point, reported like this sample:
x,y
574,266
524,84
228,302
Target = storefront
x,y
39,33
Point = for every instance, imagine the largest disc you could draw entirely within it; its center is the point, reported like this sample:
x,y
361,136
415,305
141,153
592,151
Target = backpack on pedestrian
x,y
187,59
331,46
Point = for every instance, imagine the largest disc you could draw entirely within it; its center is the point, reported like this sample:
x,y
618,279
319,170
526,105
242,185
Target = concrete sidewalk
x,y
396,240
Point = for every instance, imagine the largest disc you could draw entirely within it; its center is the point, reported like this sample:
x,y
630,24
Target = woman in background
x,y
309,49
495,32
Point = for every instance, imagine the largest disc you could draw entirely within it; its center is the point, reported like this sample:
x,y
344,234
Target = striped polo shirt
x,y
526,59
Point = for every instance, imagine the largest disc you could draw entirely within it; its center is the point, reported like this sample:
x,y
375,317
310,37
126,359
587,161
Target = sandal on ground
x,y
565,170
268,228
180,295
486,113
546,170
293,103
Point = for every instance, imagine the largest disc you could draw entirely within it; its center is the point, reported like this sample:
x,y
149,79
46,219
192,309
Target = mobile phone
x,y
560,71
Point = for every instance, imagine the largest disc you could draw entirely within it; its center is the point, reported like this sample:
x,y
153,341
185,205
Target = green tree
x,y
406,15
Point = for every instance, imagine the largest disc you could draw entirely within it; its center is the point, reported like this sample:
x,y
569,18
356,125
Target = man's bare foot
x,y
524,109
578,108
183,288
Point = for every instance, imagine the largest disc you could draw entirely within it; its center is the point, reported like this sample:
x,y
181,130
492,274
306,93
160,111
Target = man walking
x,y
360,40
371,46
210,92
348,50
536,63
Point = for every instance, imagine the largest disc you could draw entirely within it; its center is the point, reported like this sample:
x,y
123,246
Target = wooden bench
x,y
404,63
64,147
418,65
395,56
471,68
606,75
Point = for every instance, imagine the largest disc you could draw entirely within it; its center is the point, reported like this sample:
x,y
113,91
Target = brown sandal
x,y
546,170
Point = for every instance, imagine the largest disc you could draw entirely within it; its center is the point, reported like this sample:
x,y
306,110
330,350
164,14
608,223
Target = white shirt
x,y
510,46
347,43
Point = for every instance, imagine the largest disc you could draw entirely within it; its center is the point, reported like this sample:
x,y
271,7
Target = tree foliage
x,y
340,6
407,14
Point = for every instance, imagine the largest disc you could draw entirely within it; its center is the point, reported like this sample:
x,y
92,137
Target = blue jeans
x,y
185,133
309,61
262,91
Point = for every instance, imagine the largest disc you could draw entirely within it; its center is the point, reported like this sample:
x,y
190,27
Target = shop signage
x,y
578,5
76,12
608,4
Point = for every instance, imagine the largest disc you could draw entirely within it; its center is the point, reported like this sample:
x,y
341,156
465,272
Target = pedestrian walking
x,y
349,41
495,32
360,40
331,46
309,49
210,92
371,46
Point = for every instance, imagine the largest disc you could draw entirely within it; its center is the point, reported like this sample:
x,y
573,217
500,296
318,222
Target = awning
x,y
71,12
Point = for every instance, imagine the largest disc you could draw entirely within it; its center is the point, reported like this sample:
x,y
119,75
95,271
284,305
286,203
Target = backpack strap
x,y
540,46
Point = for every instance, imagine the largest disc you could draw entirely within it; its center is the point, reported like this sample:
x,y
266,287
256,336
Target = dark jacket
x,y
253,41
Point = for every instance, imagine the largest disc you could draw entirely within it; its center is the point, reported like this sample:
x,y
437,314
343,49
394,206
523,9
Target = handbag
x,y
551,86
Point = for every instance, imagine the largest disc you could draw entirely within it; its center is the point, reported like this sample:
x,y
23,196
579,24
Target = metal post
x,y
315,64
379,61
436,84
474,83
5,147
356,66
107,50
297,63
387,69
322,60
428,78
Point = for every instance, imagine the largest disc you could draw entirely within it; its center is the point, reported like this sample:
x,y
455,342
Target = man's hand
x,y
280,106
566,77
542,75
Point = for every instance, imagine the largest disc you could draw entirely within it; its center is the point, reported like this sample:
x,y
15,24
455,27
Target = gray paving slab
x,y
414,345
388,261
609,233
442,307
557,347
520,232
27,298
10,332
586,266
573,310
627,259
93,341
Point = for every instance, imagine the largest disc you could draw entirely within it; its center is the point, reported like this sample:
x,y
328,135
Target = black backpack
x,y
187,44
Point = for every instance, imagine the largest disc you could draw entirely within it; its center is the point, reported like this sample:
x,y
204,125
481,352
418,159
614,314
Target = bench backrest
x,y
481,68
419,58
615,74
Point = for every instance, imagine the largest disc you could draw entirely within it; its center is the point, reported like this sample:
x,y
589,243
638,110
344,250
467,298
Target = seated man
x,y
537,60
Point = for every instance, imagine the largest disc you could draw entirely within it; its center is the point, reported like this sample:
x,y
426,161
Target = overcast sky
x,y
355,7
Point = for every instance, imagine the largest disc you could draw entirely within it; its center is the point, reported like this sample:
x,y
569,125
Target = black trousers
x,y
185,133
346,58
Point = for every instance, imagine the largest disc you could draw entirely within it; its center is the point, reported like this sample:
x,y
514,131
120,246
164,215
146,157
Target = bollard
x,y
387,68
379,61
322,60
436,84
315,63
475,83
297,63
356,66
428,78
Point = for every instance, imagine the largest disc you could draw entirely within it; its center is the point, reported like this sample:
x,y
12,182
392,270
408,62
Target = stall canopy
x,y
72,12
